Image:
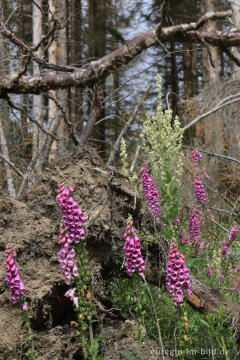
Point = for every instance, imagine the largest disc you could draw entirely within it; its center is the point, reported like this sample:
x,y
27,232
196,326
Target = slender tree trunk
x,y
236,51
4,150
209,54
76,56
37,101
233,116
97,45
3,142
205,130
174,82
58,55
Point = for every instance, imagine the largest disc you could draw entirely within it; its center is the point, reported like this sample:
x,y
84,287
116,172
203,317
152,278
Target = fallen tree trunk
x,y
97,70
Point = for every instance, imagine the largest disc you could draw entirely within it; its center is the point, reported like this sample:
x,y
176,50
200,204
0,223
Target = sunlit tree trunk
x,y
210,54
4,151
58,55
3,142
204,129
235,51
233,114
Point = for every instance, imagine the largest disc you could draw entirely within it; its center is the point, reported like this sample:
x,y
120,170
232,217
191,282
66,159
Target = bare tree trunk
x,y
37,99
4,150
76,57
233,116
209,53
3,143
212,134
97,45
58,55
235,51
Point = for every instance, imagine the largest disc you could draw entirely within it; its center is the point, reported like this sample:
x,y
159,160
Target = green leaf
x,y
174,190
173,212
194,261
166,221
168,177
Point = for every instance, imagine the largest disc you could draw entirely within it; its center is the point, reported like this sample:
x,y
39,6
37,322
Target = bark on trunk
x,y
100,69
4,150
58,55
37,99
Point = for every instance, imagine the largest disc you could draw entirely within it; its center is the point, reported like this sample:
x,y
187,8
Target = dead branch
x,y
224,157
44,149
19,108
232,56
17,171
73,134
211,189
219,106
29,50
96,111
101,68
132,167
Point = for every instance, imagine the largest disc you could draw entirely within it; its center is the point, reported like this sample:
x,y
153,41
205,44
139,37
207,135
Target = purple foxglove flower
x,y
71,294
224,248
199,190
25,307
205,173
210,272
178,275
12,279
67,264
233,232
72,231
151,194
196,155
193,227
221,276
132,251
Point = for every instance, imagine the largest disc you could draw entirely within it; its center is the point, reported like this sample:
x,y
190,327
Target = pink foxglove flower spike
x,y
193,227
233,232
71,232
132,250
151,194
178,275
13,280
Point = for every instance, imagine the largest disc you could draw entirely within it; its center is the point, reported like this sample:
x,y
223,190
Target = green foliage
x,y
123,157
162,143
26,316
86,310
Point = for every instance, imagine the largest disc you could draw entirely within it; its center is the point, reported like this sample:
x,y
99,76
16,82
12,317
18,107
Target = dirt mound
x,y
31,224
